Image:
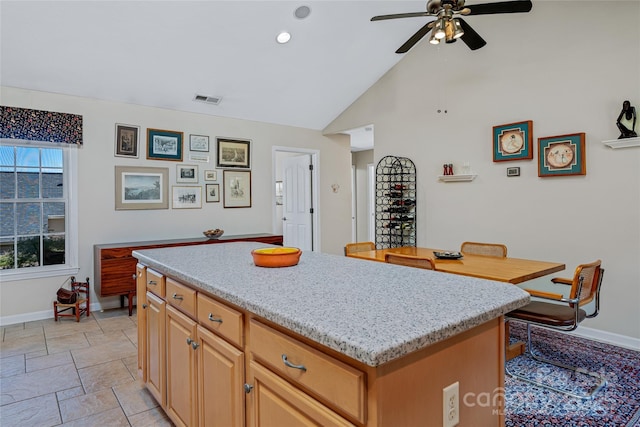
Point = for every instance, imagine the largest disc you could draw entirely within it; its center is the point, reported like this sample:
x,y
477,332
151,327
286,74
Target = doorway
x,y
296,218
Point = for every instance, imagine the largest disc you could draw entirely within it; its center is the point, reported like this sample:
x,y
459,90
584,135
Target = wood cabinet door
x,y
155,357
274,402
141,315
182,345
221,382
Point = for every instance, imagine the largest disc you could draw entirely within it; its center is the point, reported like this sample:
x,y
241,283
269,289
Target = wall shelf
x,y
457,178
623,143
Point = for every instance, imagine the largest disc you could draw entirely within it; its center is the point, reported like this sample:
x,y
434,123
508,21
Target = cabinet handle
x,y
194,345
133,276
214,319
176,296
144,305
189,341
291,365
248,388
152,282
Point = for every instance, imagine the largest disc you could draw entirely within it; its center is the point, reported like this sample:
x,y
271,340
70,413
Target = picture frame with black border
x,y
233,153
126,140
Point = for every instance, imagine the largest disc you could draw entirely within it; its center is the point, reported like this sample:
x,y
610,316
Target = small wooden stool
x,y
79,307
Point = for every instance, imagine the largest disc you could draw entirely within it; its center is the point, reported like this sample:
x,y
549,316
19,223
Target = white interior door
x,y
296,200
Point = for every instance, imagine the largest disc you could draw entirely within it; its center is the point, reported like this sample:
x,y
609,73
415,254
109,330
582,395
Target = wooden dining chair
x,y
564,314
359,247
410,261
486,249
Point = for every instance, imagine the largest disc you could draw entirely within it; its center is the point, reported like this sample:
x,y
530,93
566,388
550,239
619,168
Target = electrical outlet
x,y
451,405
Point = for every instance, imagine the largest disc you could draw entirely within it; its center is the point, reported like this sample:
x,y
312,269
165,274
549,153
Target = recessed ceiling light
x,y
302,12
283,37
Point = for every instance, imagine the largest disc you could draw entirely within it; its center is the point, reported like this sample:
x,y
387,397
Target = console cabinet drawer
x,y
178,295
337,383
221,319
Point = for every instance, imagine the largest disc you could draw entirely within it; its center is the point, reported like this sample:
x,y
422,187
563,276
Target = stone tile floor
x,y
69,373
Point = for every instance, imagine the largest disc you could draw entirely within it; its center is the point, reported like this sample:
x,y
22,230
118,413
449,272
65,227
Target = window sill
x,y
23,274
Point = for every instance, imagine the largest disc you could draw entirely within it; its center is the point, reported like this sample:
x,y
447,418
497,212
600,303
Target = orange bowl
x,y
276,257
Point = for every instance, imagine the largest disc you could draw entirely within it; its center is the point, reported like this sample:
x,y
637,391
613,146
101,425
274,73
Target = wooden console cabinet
x,y
115,268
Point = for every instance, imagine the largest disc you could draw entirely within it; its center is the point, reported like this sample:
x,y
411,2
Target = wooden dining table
x,y
510,270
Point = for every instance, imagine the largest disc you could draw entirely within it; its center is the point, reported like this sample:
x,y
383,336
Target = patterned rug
x,y
528,405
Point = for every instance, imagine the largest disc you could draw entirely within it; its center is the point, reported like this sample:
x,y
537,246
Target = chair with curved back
x,y
486,249
564,314
359,247
410,261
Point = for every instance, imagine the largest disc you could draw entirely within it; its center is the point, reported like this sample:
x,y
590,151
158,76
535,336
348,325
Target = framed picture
x,y
186,197
210,175
212,193
513,141
233,153
561,155
164,145
142,188
199,143
237,189
187,173
513,171
127,140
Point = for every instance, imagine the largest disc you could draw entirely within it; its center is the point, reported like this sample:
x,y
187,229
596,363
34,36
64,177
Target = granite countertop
x,y
370,311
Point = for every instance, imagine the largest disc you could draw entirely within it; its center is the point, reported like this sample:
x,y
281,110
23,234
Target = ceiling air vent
x,y
214,100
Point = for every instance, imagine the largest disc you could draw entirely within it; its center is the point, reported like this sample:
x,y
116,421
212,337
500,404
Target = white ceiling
x,y
163,53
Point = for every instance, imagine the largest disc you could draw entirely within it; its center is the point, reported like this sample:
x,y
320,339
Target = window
x,y
37,210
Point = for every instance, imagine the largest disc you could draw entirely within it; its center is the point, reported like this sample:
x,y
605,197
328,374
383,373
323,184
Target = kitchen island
x,y
333,340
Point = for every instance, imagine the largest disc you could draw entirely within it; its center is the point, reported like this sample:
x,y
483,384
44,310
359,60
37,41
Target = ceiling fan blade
x,y
414,38
515,6
470,37
399,15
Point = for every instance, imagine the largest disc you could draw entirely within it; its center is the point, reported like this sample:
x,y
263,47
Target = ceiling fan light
x,y
439,29
433,39
457,29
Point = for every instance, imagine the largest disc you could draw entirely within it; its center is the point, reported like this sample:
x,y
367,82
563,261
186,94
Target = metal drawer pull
x,y
195,345
144,305
189,341
152,282
291,365
214,319
176,296
248,388
133,276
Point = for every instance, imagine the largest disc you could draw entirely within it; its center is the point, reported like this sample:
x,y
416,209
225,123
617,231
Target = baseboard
x,y
608,337
48,314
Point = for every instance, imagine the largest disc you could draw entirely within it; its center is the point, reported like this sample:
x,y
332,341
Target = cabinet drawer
x,y
221,319
155,283
181,296
335,382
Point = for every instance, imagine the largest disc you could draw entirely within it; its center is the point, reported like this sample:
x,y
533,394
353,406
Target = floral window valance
x,y
38,125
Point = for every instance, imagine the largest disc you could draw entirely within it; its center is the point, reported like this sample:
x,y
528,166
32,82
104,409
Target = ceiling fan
x,y
449,26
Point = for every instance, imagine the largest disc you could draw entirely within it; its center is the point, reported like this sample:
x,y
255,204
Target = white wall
x,y
568,66
99,222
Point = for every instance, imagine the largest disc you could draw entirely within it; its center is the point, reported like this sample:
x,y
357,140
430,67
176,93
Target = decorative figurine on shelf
x,y
627,121
448,169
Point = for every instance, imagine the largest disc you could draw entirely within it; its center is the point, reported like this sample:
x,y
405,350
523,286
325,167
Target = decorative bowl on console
x,y
214,233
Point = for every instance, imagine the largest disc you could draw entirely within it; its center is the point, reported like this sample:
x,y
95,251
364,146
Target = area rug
x,y
528,405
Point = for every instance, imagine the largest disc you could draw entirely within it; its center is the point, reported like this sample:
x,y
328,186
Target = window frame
x,y
70,185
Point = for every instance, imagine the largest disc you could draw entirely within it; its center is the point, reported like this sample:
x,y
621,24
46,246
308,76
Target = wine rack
x,y
395,202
